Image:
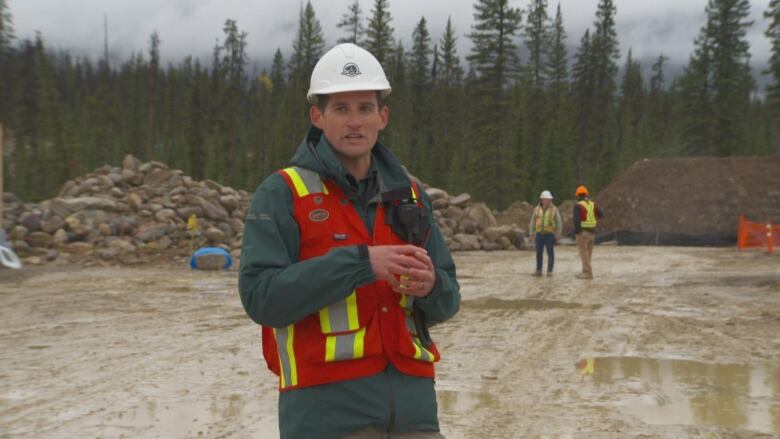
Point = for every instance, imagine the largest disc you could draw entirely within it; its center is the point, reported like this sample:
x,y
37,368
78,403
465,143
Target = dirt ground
x,y
665,342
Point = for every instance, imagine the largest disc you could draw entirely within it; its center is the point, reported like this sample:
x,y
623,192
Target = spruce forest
x,y
492,122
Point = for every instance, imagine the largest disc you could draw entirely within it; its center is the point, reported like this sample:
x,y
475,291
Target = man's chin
x,y
353,150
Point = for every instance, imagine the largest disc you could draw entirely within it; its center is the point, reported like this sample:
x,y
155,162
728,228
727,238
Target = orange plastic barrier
x,y
761,235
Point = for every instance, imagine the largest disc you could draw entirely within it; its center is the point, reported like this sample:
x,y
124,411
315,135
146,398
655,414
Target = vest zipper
x,y
370,233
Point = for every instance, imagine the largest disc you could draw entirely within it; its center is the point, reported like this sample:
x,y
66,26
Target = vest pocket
x,y
344,330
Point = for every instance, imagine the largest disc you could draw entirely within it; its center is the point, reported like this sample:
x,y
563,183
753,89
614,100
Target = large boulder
x,y
482,215
467,242
494,234
151,232
52,224
131,163
64,207
461,200
158,176
436,194
214,234
519,212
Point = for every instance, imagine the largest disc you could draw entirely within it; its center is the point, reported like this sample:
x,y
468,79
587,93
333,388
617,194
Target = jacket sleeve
x,y
276,289
444,300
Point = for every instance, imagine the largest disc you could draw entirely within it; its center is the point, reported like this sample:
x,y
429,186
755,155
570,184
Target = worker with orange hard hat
x,y
586,216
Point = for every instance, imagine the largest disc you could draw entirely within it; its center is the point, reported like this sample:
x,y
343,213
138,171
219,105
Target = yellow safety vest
x,y
545,220
590,217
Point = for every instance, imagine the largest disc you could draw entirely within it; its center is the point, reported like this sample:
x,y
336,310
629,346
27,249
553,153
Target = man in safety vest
x,y
545,225
586,216
345,269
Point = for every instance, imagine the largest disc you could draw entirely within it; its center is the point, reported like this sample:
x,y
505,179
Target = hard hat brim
x,y
343,88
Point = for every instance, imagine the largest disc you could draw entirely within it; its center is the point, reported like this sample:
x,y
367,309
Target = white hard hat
x,y
546,195
347,67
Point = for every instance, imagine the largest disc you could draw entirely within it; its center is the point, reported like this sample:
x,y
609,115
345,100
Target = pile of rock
x,y
467,225
125,213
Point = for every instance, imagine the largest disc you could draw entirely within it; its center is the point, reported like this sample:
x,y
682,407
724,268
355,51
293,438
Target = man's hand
x,y
408,269
420,283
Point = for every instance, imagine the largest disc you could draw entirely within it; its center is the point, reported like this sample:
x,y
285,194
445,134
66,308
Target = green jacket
x,y
277,290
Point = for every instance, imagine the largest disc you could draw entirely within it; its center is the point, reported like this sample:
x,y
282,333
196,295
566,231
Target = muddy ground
x,y
665,342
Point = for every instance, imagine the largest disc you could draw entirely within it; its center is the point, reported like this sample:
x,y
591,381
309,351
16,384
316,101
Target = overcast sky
x,y
193,26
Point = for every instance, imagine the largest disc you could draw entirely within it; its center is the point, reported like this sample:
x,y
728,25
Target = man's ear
x,y
384,115
316,116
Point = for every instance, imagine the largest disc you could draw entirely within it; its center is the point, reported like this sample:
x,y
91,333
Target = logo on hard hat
x,y
350,70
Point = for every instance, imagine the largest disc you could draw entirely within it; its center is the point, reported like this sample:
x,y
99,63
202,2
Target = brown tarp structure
x,y
689,201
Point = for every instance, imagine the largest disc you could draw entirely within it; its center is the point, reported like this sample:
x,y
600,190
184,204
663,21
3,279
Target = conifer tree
x,y
773,91
352,23
495,61
379,32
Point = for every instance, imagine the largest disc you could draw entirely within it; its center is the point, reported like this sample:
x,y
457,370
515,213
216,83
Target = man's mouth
x,y
354,136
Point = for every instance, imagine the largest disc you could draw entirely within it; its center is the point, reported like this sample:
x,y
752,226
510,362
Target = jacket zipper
x,y
390,392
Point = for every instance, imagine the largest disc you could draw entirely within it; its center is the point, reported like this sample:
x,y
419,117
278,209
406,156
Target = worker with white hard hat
x,y
345,269
545,226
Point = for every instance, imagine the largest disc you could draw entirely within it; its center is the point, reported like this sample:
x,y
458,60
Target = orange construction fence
x,y
762,235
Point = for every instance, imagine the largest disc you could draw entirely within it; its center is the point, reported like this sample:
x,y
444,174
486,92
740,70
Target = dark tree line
x,y
500,126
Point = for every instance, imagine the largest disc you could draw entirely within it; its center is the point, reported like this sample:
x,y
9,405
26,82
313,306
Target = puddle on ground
x,y
672,392
453,401
523,304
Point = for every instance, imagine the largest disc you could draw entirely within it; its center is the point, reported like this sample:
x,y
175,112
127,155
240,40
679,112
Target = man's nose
x,y
354,120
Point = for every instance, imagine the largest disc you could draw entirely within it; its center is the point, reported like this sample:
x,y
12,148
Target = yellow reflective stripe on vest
x,y
590,217
348,346
341,316
414,193
545,220
285,338
341,325
305,181
420,353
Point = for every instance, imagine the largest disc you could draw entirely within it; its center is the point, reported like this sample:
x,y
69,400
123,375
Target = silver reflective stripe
x,y
311,179
339,317
424,354
284,358
345,344
410,325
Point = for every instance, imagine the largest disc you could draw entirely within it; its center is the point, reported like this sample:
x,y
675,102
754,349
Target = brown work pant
x,y
373,433
585,241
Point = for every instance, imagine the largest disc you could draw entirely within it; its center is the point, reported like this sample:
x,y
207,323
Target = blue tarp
x,y
210,251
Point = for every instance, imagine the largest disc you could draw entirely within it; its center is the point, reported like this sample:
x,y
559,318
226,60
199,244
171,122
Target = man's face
x,y
351,122
546,203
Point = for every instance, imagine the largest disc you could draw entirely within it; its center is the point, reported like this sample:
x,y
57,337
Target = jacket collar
x,y
316,153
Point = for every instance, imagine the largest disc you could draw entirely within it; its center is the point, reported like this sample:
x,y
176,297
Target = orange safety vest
x,y
359,335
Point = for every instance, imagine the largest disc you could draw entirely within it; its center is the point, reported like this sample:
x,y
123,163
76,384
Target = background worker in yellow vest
x,y
545,226
586,216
